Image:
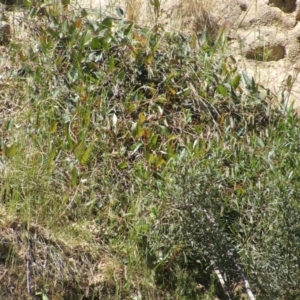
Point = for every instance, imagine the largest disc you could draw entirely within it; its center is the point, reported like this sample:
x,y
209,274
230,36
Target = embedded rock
x,y
287,6
5,32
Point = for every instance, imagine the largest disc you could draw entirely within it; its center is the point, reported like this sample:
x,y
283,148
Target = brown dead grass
x,y
34,259
196,15
190,16
133,10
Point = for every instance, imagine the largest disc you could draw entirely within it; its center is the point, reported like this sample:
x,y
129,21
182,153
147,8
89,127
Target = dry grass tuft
x,y
35,259
200,13
192,16
133,10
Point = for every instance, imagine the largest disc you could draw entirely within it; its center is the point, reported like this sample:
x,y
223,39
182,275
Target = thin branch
x,y
231,256
222,281
28,277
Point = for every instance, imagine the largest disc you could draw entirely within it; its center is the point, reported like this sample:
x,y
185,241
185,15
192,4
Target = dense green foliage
x,y
152,150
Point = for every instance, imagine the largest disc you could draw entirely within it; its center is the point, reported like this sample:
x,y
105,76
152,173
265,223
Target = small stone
x,y
5,32
8,2
243,5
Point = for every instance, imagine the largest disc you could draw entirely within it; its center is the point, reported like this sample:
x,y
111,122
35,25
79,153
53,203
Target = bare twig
x,y
231,256
222,281
28,277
